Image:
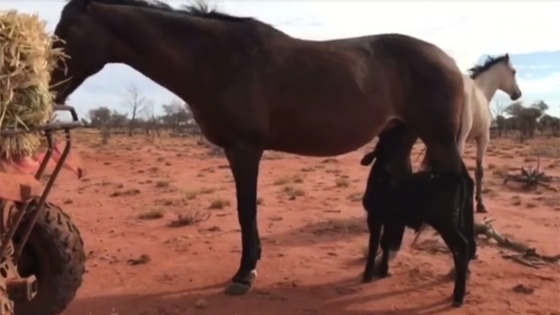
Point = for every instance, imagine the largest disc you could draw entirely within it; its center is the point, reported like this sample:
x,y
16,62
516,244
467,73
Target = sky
x,y
468,31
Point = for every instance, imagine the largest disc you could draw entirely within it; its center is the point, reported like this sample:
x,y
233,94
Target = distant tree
x,y
551,123
119,120
151,122
498,109
177,115
99,117
526,118
136,103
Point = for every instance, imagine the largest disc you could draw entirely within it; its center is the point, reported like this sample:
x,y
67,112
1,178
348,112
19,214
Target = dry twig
x,y
525,255
528,256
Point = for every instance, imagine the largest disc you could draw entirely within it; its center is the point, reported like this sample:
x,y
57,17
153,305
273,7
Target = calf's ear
x,y
368,158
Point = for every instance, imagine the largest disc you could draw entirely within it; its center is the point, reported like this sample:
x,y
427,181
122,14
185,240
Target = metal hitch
x,y
23,289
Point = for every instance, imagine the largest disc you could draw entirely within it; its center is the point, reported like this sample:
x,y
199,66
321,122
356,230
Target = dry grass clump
x,y
27,57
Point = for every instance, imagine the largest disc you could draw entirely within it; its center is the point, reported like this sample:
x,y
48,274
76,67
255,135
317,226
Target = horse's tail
x,y
464,112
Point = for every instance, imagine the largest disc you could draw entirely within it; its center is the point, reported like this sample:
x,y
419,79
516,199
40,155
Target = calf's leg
x,y
374,235
459,248
467,210
386,242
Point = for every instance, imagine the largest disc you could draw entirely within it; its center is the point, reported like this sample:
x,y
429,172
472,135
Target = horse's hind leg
x,y
482,145
244,161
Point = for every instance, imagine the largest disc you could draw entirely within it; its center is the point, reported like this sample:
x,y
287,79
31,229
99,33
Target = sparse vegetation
x,y
152,214
341,182
356,197
288,179
219,203
189,218
531,178
292,191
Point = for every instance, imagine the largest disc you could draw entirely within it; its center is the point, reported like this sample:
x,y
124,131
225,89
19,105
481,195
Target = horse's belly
x,y
323,140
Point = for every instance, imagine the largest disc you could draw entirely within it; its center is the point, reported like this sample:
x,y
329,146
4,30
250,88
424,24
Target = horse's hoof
x,y
235,288
481,209
384,273
457,303
366,278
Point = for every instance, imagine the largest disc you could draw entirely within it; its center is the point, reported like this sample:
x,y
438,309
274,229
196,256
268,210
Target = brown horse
x,y
252,88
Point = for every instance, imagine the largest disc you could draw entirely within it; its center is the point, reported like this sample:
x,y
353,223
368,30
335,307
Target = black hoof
x,y
457,303
235,288
385,274
366,278
480,208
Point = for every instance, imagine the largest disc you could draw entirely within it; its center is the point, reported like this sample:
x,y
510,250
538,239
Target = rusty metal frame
x,y
24,208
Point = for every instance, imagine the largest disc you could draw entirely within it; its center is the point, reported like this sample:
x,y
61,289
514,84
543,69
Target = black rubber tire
x,y
56,243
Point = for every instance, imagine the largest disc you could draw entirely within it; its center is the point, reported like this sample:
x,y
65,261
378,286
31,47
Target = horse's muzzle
x,y
516,95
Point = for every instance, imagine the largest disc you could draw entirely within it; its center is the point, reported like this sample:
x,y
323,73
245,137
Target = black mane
x,y
489,63
199,9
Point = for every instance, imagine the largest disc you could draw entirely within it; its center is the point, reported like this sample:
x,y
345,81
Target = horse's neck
x,y
488,82
172,64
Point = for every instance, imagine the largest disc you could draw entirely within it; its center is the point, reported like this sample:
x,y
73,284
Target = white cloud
x,y
466,30
541,85
533,67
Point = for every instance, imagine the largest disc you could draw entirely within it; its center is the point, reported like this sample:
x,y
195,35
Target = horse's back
x,y
424,76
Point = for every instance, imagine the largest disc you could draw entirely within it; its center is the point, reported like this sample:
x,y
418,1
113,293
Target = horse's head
x,y
89,47
501,71
508,84
382,177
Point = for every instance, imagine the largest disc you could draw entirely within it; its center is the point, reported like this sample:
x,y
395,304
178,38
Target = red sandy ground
x,y
312,245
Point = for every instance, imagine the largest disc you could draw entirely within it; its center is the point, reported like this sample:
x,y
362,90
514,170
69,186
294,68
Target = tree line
x,y
524,120
141,117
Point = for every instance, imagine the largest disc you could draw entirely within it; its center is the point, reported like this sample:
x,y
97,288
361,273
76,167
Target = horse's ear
x,y
507,57
368,158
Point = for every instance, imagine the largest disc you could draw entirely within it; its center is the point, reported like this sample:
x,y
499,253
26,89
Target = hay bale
x,y
27,57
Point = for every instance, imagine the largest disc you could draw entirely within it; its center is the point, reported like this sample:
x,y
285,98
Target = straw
x,y
27,58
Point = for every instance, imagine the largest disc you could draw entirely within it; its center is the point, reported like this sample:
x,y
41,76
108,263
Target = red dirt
x,y
312,245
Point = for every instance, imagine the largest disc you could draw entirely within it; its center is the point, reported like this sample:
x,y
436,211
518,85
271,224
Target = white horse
x,y
497,73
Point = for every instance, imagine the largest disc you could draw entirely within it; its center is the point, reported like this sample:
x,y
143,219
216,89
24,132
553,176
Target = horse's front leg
x,y
244,160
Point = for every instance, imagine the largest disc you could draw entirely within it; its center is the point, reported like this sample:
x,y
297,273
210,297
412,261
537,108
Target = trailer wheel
x,y
55,254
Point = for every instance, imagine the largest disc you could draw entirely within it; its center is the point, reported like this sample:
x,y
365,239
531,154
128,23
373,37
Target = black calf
x,y
437,199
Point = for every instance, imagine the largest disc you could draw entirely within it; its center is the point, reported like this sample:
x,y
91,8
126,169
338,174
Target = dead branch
x,y
527,255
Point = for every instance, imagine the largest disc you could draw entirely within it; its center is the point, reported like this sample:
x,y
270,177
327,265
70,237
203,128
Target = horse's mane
x,y
199,9
489,63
